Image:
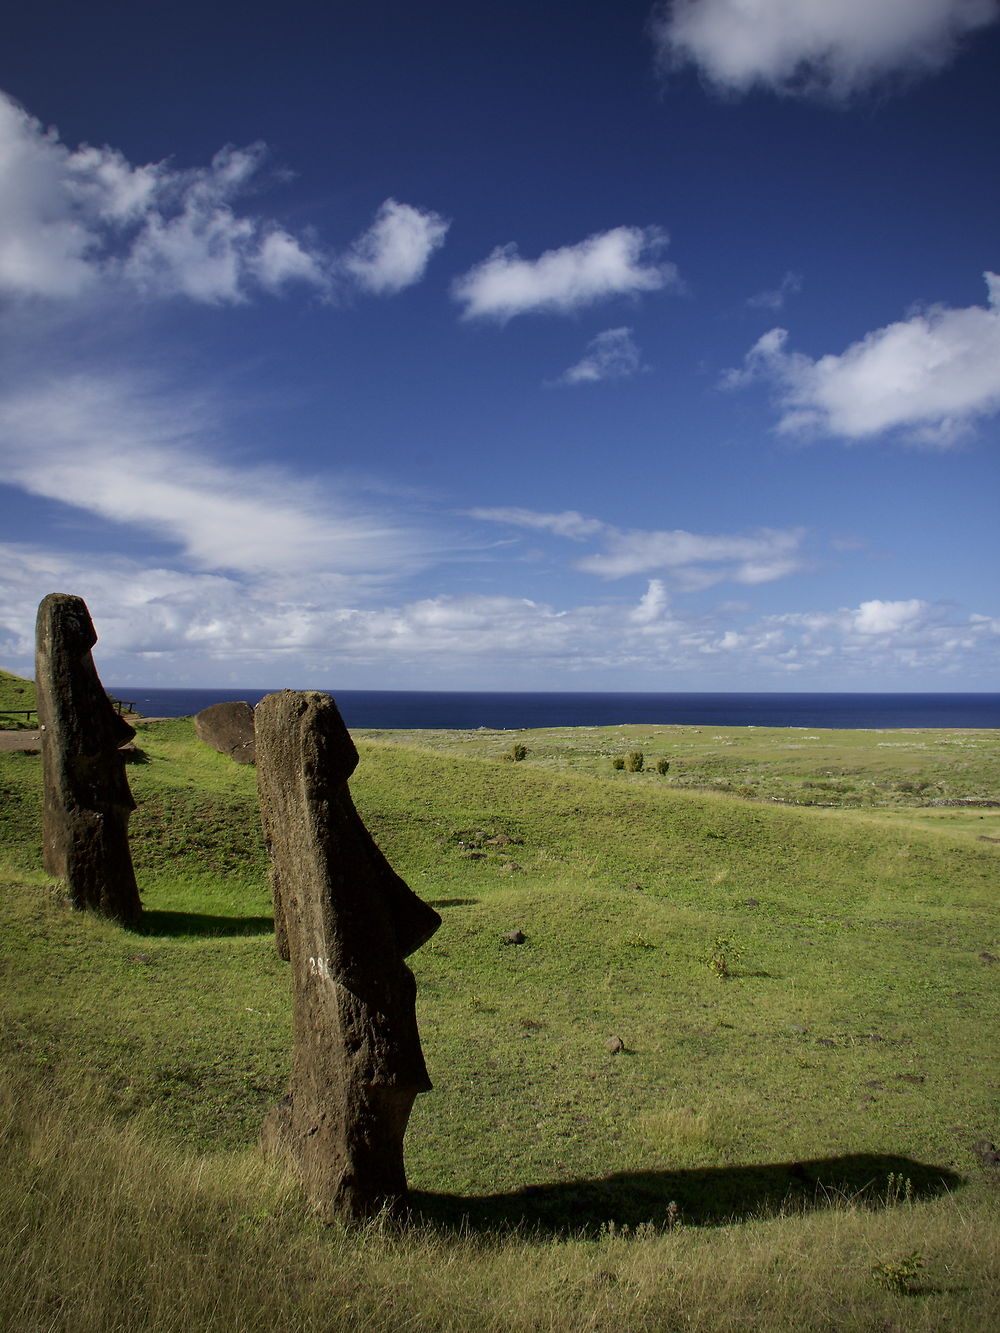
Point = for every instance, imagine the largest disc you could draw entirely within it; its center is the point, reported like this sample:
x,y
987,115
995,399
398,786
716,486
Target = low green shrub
x,y
634,761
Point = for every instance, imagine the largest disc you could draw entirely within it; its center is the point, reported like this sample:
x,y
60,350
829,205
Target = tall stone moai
x,y
345,921
87,802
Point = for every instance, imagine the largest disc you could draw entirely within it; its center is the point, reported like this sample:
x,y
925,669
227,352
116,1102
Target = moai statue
x,y
345,921
87,802
228,728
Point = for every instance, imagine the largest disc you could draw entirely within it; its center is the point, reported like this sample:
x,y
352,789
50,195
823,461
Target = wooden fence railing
x,y
121,707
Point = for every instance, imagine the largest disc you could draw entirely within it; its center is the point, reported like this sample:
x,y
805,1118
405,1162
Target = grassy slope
x,y
16,693
855,1040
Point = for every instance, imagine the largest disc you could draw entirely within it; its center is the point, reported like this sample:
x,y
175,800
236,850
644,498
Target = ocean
x,y
467,710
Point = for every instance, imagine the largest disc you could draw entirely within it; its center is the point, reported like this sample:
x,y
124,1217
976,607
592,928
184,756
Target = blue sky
x,y
620,346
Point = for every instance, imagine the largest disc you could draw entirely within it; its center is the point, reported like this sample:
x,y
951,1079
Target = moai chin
x,y
345,921
87,802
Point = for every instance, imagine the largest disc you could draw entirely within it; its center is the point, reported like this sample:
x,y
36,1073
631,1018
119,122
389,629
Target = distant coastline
x,y
466,710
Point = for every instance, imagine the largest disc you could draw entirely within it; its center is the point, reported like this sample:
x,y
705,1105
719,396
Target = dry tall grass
x,y
106,1230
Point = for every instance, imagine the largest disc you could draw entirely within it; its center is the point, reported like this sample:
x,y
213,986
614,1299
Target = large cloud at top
x,y
835,47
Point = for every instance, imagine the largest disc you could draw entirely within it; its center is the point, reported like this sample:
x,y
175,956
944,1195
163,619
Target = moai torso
x,y
87,802
345,921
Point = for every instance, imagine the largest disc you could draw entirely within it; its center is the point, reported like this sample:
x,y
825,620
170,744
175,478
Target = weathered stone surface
x,y
228,728
345,921
87,802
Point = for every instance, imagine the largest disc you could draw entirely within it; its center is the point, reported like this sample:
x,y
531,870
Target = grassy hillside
x,y
16,694
786,1146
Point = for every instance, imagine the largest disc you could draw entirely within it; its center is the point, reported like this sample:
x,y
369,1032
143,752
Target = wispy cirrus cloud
x,y
930,376
620,262
76,220
810,47
567,523
693,560
135,455
774,298
611,355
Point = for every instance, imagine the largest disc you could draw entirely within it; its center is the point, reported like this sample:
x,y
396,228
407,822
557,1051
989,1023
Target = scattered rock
x,y
987,1152
985,957
474,856
514,937
912,1078
510,867
228,728
753,902
139,958
614,1045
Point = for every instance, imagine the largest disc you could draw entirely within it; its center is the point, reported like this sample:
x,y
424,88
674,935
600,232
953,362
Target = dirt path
x,y
20,740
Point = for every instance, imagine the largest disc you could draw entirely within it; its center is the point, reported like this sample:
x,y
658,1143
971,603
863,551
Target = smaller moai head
x,y
70,694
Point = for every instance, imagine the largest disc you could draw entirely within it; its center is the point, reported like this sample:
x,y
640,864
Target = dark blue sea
x,y
468,710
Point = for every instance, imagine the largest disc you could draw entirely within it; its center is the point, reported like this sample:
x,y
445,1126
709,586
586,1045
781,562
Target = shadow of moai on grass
x,y
345,921
87,801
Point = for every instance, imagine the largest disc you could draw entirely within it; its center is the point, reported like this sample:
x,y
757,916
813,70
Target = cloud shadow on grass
x,y
167,924
706,1196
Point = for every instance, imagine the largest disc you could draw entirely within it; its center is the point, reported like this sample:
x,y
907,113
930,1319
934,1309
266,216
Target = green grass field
x,y
789,1146
16,695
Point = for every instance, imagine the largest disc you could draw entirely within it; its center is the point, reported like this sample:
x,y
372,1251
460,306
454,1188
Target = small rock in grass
x,y
514,937
614,1045
986,1152
753,902
985,957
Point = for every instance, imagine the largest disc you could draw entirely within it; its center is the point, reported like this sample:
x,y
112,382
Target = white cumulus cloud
x,y
179,626
611,355
931,376
620,262
877,617
396,249
75,219
834,47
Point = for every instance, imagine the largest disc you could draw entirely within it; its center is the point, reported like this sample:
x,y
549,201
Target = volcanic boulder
x,y
228,728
